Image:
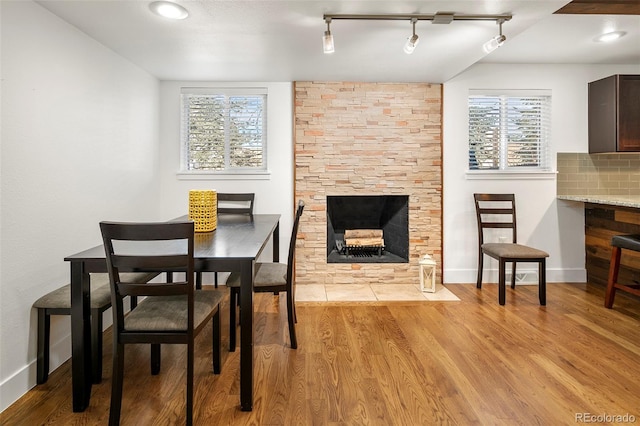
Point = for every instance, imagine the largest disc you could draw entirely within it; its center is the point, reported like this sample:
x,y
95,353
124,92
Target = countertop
x,y
612,200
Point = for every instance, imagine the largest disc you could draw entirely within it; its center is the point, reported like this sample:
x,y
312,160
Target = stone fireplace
x,y
378,140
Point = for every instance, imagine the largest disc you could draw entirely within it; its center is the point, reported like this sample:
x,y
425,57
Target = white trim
x,y
509,174
24,379
490,275
510,92
217,90
198,175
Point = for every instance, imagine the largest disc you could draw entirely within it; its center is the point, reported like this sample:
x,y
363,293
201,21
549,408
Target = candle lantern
x,y
428,274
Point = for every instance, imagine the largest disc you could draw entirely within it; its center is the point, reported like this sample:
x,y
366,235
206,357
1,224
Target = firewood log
x,y
370,242
363,233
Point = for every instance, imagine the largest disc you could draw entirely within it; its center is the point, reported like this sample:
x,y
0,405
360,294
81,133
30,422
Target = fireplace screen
x,y
368,229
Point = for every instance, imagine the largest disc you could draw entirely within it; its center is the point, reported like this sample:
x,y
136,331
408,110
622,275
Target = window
x,y
223,130
509,131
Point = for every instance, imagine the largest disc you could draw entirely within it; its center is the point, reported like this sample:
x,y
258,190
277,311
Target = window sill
x,y
257,175
508,174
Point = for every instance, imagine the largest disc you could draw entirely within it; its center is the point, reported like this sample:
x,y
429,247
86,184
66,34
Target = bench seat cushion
x,y
100,291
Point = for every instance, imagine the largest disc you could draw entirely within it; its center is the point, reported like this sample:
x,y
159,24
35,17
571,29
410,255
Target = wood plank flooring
x,y
471,362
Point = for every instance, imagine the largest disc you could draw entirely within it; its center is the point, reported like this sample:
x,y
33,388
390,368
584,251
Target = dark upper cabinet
x,y
614,114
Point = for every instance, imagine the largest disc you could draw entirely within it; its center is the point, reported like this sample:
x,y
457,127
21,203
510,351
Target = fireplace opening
x,y
368,229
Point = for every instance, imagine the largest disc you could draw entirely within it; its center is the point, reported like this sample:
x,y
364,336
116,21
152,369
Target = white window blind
x,y
223,130
509,131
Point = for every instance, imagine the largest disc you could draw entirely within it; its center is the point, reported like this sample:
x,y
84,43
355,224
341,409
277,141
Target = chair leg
x,y
291,319
198,280
542,278
501,282
155,358
190,357
215,279
614,268
96,345
217,355
232,318
116,384
295,315
44,329
480,265
513,274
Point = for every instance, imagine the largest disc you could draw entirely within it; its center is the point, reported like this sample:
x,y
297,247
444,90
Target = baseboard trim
x,y
14,387
526,276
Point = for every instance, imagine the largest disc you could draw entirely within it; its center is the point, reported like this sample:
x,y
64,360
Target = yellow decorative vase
x,y
203,209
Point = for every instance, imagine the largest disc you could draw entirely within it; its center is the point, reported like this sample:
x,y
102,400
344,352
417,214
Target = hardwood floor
x,y
390,363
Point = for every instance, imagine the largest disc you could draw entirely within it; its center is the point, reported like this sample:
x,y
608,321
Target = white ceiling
x,y
280,40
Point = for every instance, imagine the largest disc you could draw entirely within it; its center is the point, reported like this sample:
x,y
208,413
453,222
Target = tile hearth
x,y
370,293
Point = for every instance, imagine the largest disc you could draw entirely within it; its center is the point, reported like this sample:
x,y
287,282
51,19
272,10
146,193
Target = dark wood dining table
x,y
234,246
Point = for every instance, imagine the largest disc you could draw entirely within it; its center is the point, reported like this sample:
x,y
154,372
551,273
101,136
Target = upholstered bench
x,y
618,243
58,302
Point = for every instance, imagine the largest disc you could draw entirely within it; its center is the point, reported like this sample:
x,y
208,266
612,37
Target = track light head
x,y
411,44
496,41
327,40
412,41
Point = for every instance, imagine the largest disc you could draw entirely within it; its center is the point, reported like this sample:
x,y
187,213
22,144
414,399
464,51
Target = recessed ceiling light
x,y
606,37
168,9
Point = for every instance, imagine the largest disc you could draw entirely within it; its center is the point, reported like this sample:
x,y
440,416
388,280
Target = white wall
x,y
274,193
83,139
543,222
79,145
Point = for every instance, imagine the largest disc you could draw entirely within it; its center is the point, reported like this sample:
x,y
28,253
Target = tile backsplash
x,y
598,174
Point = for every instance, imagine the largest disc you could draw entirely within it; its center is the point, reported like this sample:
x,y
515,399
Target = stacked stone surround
x,y
368,139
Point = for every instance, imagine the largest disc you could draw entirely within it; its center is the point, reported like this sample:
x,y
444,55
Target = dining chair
x,y
270,278
171,312
498,211
232,203
58,302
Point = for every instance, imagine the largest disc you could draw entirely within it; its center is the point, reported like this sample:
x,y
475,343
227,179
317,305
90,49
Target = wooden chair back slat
x,y
495,211
243,203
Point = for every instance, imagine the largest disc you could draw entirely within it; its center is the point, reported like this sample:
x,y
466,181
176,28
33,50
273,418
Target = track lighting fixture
x,y
412,41
327,40
496,41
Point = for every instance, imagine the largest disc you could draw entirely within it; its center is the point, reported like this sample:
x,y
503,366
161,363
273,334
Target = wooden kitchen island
x,y
606,216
